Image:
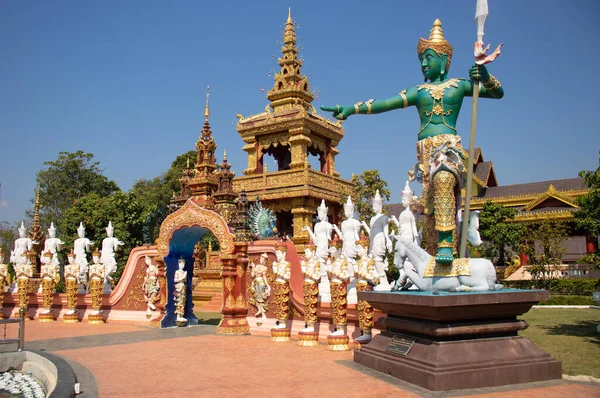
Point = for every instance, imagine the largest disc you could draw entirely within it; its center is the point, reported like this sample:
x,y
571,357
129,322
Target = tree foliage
x,y
157,192
587,218
366,184
500,238
8,235
544,247
95,211
70,177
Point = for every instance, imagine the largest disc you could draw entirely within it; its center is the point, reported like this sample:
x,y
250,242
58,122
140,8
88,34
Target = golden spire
x,y
224,155
291,88
436,34
206,110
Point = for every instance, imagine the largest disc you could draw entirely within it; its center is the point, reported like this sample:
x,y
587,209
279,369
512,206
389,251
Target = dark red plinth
x,y
461,340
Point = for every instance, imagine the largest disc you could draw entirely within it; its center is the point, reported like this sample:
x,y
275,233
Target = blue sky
x,y
126,81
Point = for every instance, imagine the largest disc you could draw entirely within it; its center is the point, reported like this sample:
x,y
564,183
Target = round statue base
x,y
181,324
46,317
281,335
95,319
71,318
308,339
338,343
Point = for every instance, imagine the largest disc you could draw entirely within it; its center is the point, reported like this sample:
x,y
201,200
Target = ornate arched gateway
x,y
179,233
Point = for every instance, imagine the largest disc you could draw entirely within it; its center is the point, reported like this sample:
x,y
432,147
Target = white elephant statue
x,y
482,278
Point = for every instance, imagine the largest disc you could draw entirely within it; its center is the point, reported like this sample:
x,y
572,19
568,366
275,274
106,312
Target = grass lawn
x,y
569,335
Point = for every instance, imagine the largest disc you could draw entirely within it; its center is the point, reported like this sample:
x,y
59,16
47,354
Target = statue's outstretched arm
x,y
337,231
403,99
490,87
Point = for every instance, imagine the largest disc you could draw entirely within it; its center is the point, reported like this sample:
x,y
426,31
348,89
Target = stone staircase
x,y
207,302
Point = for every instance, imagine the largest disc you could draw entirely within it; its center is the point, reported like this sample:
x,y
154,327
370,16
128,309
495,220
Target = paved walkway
x,y
128,360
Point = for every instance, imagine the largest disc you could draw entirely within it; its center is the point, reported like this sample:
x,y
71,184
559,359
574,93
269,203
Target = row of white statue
x,y
78,266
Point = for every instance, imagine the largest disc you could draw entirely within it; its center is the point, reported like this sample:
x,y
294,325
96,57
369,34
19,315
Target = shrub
x,y
568,300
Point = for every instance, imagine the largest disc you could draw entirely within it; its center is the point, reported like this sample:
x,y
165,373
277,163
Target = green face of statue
x,y
432,64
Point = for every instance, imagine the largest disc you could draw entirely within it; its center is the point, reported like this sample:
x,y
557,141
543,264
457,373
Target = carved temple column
x,y
251,149
303,212
235,309
299,140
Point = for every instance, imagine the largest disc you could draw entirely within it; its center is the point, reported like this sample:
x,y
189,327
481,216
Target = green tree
x,y
70,177
544,247
499,236
365,186
587,218
8,235
95,211
157,192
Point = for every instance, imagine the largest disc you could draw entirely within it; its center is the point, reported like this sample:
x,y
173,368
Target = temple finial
x,y
206,110
289,20
224,155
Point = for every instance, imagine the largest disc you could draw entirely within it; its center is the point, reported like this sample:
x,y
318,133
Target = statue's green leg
x,y
444,207
445,248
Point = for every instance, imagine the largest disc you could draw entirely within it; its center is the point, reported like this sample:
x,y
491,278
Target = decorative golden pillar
x,y
235,309
365,315
303,211
250,149
299,140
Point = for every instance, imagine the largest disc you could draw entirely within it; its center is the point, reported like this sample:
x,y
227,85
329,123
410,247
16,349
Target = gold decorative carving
x,y
239,270
437,90
135,296
365,311
311,299
229,283
339,303
459,267
281,300
230,302
240,302
190,215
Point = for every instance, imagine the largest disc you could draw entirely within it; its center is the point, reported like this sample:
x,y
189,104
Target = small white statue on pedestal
x,y
350,234
260,285
22,245
180,280
110,244
72,276
321,237
53,244
151,286
80,247
407,228
282,273
311,270
379,241
96,278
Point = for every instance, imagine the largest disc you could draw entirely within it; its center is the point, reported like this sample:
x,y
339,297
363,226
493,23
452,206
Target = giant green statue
x,y
441,159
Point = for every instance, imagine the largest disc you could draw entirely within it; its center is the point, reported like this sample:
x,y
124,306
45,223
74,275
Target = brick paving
x,y
132,360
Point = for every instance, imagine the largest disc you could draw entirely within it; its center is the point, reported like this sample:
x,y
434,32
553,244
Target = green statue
x,y
441,159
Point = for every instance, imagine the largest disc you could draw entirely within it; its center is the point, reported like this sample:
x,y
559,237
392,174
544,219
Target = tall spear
x,y
481,58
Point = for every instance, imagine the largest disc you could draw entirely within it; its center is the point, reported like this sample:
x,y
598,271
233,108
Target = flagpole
x,y
465,218
481,13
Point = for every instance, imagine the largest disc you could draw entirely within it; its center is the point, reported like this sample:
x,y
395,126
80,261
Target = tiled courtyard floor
x,y
129,360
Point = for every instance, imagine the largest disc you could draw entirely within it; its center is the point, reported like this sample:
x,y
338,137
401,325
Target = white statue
x,y
180,279
109,246
96,279
22,245
476,274
321,237
407,227
311,270
53,244
72,276
50,276
322,232
365,267
350,234
379,241
80,247
338,267
23,269
151,285
282,271
260,285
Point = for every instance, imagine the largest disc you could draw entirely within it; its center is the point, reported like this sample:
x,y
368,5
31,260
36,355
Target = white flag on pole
x,y
481,12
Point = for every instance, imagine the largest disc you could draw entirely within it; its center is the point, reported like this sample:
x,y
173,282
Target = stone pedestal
x,y
95,319
49,317
280,335
451,341
71,318
308,339
338,343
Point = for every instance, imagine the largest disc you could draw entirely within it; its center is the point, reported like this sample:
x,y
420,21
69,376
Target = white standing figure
x,y
22,245
350,234
407,228
53,244
379,241
110,244
80,247
321,237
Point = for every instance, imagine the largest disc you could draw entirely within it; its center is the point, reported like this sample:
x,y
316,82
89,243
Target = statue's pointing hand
x,y
339,111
